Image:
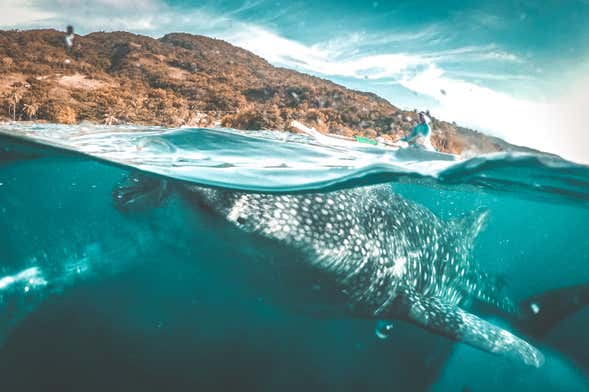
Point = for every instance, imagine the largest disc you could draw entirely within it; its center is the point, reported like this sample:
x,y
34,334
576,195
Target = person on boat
x,y
420,135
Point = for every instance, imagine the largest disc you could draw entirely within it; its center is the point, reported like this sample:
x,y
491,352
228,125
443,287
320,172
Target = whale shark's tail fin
x,y
540,313
452,322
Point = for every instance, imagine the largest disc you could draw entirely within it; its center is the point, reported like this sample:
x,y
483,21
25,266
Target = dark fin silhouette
x,y
452,322
540,313
139,192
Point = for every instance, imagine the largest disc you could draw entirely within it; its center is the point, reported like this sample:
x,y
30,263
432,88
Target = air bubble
x,y
383,329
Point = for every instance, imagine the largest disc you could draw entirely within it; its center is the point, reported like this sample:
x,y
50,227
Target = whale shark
x,y
390,258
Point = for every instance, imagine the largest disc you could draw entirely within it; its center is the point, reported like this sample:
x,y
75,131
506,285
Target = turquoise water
x,y
163,296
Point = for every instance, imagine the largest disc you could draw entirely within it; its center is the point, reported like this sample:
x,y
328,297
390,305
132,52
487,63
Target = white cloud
x,y
106,5
279,50
556,127
488,52
150,17
492,76
14,13
353,42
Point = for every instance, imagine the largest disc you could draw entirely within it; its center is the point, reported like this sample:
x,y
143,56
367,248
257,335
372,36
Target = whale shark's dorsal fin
x,y
452,322
485,288
470,225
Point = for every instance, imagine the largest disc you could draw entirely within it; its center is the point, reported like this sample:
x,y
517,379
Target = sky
x,y
514,69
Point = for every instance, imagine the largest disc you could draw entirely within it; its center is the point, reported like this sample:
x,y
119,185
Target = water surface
x,y
94,298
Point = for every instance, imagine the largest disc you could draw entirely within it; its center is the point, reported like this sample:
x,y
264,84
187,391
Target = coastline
x,y
192,81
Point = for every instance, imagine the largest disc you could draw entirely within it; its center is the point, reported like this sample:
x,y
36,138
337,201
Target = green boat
x,y
362,139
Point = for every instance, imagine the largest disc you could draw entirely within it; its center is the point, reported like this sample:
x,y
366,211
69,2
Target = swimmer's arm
x,y
409,138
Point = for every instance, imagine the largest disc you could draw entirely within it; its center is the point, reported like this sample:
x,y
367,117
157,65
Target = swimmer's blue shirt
x,y
422,129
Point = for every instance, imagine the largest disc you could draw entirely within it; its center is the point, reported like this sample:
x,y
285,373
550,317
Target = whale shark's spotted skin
x,y
370,239
394,258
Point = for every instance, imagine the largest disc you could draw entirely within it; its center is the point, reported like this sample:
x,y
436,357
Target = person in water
x,y
420,135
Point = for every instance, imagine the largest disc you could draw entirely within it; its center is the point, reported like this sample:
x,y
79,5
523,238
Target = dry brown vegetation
x,y
183,79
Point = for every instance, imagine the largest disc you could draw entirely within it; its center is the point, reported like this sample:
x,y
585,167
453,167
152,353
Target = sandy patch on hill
x,y
79,81
6,81
172,72
177,73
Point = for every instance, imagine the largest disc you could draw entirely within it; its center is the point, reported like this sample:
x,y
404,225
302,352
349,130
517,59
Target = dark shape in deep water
x,y
540,313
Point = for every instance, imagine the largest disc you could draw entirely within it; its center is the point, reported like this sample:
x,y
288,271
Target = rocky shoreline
x,y
188,80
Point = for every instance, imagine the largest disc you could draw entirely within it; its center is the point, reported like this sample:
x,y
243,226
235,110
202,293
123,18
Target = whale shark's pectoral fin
x,y
454,323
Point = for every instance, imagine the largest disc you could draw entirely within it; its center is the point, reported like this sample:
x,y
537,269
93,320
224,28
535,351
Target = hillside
x,y
183,79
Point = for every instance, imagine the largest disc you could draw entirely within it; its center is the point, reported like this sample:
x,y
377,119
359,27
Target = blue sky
x,y
515,69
